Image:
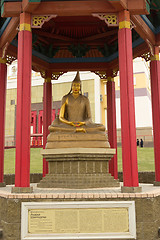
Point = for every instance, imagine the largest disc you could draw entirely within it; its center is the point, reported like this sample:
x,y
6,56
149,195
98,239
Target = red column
x,y
155,95
23,115
47,116
128,128
3,80
111,122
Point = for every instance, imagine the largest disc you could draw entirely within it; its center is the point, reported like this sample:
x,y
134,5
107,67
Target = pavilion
x,y
103,36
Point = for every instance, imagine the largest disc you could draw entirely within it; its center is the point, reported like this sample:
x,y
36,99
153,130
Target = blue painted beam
x,y
149,24
5,25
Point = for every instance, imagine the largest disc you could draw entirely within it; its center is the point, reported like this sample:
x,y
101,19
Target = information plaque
x,y
78,220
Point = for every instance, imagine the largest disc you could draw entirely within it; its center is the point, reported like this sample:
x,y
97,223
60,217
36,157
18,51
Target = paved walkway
x,y
148,190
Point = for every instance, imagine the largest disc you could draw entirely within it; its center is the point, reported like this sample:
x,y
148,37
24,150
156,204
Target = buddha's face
x,y
76,87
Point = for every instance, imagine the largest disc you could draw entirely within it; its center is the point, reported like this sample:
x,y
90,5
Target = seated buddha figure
x,y
74,127
75,112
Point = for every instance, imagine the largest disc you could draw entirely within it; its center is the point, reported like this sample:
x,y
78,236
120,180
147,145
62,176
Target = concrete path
x,y
148,190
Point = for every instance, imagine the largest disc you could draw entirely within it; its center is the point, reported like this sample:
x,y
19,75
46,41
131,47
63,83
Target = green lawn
x,y
145,160
35,164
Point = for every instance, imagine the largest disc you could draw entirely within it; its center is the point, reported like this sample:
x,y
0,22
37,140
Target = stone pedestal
x,y
78,168
13,218
131,189
2,184
22,189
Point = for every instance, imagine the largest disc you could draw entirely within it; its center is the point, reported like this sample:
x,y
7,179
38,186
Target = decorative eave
x,y
80,64
63,8
73,8
93,62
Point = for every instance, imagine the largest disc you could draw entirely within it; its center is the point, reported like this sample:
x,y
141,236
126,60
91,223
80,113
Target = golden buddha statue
x,y
75,112
75,117
77,150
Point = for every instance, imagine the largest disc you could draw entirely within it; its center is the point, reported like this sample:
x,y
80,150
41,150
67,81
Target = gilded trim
x,y
3,60
39,20
47,80
155,57
25,27
110,79
111,19
124,24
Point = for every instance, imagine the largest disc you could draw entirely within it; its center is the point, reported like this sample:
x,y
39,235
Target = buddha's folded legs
x,y
67,128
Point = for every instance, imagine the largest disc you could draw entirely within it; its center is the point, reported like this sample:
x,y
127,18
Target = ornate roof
x,y
87,36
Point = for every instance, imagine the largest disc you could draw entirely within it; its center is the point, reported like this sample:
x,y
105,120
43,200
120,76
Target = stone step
x,y
78,181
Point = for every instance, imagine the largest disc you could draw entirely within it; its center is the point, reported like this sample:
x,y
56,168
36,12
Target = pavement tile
x,y
49,195
43,195
102,195
37,195
150,194
24,195
120,195
27,195
85,195
156,194
138,195
67,195
126,195
73,195
96,195
132,195
79,195
17,195
31,195
61,195
10,196
113,195
90,195
144,195
55,195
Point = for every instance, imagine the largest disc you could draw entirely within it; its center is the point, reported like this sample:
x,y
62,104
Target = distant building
x,y
142,93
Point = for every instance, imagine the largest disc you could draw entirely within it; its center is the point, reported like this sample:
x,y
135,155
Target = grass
x,y
35,162
145,160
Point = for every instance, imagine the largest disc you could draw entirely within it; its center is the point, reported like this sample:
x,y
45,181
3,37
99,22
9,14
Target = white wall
x,y
140,65
143,112
97,99
118,113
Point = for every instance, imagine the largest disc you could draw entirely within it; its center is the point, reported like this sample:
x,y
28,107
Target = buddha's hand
x,y
78,124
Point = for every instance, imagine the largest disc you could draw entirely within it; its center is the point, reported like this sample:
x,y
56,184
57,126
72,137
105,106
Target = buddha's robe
x,y
76,110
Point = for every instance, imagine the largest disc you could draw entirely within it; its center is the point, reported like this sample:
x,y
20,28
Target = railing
x,y
36,141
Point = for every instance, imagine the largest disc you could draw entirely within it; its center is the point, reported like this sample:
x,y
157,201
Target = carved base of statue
x,y
78,168
77,140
